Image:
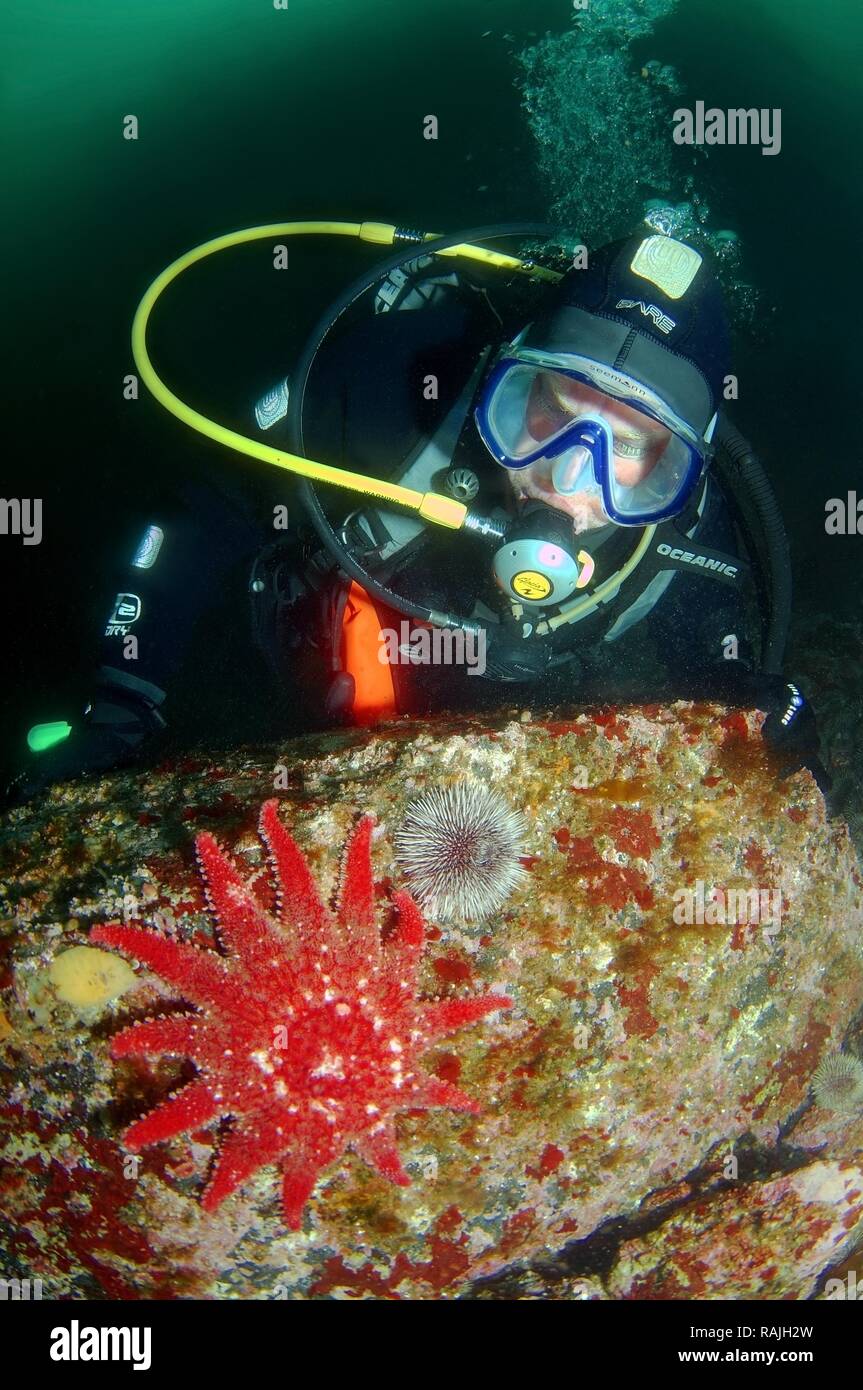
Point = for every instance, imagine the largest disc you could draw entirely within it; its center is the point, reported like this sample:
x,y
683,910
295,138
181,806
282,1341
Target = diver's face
x,y
638,443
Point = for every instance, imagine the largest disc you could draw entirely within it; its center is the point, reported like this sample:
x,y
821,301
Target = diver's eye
x,y
560,397
551,398
632,446
545,409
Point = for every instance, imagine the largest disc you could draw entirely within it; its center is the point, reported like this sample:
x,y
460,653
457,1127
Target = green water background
x,y
247,115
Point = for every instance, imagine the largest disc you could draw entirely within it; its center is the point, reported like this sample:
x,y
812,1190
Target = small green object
x,y
44,736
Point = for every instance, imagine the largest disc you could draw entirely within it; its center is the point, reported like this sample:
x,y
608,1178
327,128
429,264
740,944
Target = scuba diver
x,y
590,527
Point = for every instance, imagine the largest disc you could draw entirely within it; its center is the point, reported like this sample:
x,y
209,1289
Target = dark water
x,y
250,115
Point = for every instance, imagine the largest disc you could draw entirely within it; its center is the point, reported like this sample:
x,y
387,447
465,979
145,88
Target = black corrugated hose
x,y
299,379
743,470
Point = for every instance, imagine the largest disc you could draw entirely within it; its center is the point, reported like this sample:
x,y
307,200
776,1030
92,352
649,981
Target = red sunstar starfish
x,y
308,1031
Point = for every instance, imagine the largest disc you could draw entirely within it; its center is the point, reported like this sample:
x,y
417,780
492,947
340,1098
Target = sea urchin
x,y
459,848
838,1083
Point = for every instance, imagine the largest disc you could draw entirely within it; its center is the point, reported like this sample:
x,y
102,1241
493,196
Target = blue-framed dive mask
x,y
589,429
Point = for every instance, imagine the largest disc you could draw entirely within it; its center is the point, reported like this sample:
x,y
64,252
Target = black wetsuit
x,y
366,409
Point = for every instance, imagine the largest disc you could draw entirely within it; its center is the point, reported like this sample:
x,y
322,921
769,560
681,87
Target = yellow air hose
x,y
431,506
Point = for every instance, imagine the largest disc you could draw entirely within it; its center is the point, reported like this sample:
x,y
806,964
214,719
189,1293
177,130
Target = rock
x,y
765,1240
827,652
652,1037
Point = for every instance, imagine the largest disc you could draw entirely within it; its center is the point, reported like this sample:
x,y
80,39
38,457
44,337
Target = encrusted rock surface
x,y
763,1240
644,1130
826,655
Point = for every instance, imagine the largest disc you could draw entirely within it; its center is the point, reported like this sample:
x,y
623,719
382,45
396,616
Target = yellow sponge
x,y
87,978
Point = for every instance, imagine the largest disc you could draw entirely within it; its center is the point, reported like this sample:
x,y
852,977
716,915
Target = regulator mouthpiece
x,y
535,566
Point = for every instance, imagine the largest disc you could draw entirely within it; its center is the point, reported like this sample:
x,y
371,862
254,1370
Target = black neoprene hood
x,y
675,346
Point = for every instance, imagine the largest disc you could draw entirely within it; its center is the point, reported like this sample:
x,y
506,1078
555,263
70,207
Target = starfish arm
x,y
157,1037
300,904
244,926
430,1093
200,975
314,1151
298,1184
357,891
409,934
403,952
254,1141
190,1108
448,1015
378,1149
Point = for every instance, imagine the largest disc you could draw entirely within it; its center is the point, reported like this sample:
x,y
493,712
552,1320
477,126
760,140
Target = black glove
x,y
115,729
790,729
512,653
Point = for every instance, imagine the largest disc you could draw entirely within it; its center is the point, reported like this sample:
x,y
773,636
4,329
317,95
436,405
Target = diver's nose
x,y
568,469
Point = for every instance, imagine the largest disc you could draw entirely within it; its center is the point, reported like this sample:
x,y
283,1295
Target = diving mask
x,y
590,429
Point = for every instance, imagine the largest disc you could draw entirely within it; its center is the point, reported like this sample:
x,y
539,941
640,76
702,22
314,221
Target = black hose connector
x,y
745,472
337,551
